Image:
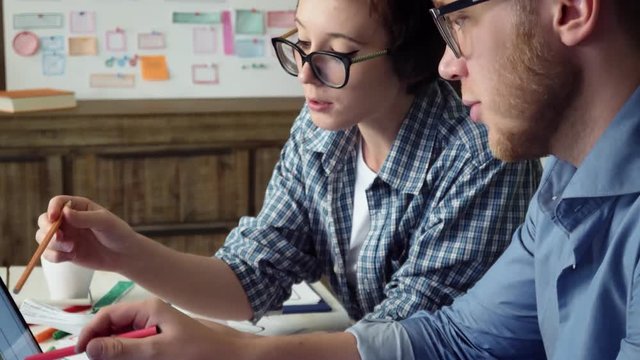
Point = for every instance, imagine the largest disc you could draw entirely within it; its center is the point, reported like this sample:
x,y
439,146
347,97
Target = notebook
x,y
16,340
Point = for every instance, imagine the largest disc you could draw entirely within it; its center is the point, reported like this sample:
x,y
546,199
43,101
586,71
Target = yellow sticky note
x,y
154,68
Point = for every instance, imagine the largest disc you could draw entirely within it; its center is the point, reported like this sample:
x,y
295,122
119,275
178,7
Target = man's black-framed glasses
x,y
441,16
330,67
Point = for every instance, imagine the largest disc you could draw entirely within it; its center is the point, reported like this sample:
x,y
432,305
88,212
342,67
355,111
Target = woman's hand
x,y
90,235
180,337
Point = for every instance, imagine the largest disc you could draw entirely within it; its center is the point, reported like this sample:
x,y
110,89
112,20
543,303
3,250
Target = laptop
x,y
16,340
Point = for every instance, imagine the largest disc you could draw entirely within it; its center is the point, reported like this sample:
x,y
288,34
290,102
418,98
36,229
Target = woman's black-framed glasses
x,y
330,67
445,24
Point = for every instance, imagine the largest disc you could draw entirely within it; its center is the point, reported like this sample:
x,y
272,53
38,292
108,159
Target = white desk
x,y
334,320
3,274
36,287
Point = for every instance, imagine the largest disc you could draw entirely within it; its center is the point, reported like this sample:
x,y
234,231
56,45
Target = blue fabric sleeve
x,y
381,340
630,345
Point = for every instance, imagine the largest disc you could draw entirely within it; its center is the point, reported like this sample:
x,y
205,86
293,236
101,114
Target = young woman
x,y
384,185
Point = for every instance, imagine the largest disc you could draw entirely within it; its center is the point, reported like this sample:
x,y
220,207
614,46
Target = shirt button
x,y
554,197
573,266
336,269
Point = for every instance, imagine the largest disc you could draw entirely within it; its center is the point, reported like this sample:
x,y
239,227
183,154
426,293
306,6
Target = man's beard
x,y
537,85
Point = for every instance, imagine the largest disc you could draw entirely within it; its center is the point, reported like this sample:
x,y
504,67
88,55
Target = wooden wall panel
x,y
264,160
148,189
180,171
25,188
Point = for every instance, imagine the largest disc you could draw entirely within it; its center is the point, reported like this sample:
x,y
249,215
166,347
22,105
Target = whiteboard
x,y
148,49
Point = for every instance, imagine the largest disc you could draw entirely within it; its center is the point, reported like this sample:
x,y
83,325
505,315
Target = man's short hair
x,y
415,44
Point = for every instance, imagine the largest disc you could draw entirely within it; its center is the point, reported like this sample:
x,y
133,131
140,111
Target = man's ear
x,y
574,20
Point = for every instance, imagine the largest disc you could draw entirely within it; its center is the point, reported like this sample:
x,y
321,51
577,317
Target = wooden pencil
x,y
36,255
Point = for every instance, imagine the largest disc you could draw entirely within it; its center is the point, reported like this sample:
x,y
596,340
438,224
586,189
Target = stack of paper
x,y
51,316
303,300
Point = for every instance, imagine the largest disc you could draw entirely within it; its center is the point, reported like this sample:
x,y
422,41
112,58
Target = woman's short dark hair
x,y
415,44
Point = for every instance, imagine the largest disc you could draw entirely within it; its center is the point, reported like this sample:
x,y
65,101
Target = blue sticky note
x,y
249,48
52,43
53,64
250,22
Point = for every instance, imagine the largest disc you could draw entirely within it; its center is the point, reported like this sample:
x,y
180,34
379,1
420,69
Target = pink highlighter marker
x,y
71,350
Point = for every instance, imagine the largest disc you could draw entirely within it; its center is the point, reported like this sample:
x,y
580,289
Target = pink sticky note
x,y
227,33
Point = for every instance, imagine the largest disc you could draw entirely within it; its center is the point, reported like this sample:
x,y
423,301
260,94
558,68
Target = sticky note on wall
x,y
154,68
152,40
52,43
205,74
281,19
83,46
116,40
250,22
196,18
116,81
249,48
53,64
82,21
204,40
37,21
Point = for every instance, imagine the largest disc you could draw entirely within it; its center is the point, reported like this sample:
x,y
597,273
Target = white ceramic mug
x,y
66,280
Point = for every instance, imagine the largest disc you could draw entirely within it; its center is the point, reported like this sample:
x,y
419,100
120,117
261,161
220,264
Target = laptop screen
x,y
16,340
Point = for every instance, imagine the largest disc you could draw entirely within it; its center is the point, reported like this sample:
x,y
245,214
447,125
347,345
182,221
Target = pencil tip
x,y
16,291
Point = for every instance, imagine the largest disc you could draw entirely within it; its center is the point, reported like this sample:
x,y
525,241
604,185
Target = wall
x,y
232,54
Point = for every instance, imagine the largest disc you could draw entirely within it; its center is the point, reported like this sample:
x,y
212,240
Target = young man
x,y
558,77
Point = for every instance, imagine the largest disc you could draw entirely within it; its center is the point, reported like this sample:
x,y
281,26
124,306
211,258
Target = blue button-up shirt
x,y
568,286
442,210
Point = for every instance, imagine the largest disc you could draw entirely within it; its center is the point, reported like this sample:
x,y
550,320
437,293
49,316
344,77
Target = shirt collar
x,y
612,167
406,166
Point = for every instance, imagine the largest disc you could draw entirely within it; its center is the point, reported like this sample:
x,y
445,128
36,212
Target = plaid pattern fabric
x,y
442,210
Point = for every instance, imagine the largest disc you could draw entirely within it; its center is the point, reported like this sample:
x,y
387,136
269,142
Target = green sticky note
x,y
250,22
196,18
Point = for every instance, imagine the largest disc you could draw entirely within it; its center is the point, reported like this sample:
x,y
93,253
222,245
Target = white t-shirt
x,y
361,220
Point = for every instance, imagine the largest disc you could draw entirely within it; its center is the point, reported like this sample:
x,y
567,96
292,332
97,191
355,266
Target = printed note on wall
x,y
281,19
53,64
53,43
250,22
249,48
112,80
196,18
116,40
83,46
37,21
151,41
204,40
205,74
154,68
82,22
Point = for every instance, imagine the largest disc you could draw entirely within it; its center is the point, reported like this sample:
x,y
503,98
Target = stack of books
x,y
36,100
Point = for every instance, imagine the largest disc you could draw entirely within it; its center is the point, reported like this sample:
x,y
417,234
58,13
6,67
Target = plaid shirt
x,y
442,210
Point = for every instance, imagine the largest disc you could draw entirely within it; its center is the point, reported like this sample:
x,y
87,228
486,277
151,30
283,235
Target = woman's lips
x,y
319,105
